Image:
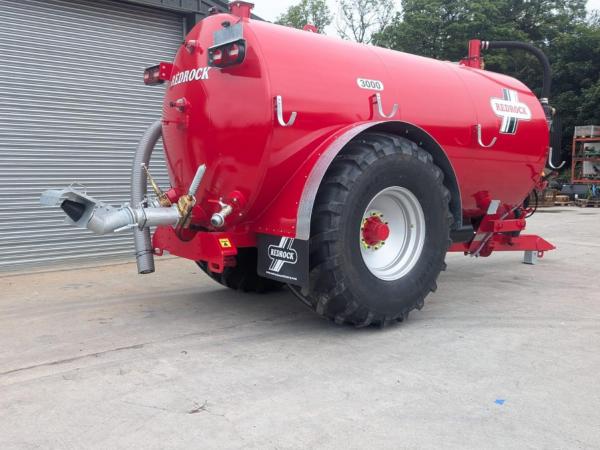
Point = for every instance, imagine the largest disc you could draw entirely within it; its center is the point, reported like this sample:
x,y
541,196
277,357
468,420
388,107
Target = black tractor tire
x,y
243,276
342,287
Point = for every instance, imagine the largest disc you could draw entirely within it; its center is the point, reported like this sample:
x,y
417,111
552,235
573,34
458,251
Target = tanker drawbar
x,y
341,180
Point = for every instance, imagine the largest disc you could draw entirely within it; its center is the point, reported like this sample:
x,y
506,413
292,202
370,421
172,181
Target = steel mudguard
x,y
290,213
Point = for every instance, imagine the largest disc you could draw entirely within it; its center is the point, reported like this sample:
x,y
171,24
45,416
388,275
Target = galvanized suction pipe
x,y
144,252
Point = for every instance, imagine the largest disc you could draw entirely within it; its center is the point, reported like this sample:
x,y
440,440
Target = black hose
x,y
540,55
535,207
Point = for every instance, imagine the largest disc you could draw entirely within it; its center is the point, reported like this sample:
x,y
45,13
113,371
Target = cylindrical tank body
x,y
225,118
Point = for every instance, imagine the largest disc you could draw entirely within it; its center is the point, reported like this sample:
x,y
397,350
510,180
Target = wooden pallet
x,y
586,203
562,200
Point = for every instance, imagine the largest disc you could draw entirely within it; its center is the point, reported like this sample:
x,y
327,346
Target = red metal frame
x,y
474,59
217,249
495,234
507,243
241,9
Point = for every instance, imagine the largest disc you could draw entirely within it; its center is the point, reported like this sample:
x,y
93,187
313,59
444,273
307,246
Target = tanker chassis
x,y
343,171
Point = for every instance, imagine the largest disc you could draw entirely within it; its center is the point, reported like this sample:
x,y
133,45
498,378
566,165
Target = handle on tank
x,y
280,119
551,164
480,139
379,103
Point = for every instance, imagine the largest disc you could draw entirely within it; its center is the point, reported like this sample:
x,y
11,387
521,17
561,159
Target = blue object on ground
x,y
499,402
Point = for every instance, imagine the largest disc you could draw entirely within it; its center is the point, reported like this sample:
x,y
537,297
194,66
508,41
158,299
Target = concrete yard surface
x,y
504,355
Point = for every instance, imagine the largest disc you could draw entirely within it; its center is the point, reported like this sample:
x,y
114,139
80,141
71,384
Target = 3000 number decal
x,y
371,85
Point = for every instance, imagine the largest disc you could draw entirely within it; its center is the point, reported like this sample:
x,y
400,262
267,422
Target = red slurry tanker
x,y
344,171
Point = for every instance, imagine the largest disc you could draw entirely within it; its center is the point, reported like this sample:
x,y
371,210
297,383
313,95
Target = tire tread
x,y
358,155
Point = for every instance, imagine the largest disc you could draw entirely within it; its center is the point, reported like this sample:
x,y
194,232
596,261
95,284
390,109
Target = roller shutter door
x,y
72,108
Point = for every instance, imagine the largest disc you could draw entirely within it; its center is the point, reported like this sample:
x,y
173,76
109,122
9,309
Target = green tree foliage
x,y
576,63
441,29
361,20
314,12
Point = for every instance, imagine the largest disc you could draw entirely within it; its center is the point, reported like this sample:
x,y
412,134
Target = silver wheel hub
x,y
392,233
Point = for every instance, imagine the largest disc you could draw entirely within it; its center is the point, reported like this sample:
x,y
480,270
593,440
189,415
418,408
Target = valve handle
x,y
197,180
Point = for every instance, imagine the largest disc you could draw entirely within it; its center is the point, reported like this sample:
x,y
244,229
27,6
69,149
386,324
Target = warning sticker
x,y
225,243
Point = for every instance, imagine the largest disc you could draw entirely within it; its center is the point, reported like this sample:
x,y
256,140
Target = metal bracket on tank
x,y
480,138
228,34
279,109
379,103
551,164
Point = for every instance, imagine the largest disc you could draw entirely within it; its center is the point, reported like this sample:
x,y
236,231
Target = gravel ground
x,y
504,355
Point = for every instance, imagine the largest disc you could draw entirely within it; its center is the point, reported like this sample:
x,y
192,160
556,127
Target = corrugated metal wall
x,y
72,108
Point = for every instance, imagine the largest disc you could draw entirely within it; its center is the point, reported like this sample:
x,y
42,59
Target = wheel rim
x,y
391,253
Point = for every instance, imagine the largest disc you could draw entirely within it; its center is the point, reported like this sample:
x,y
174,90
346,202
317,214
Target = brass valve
x,y
162,198
185,205
187,202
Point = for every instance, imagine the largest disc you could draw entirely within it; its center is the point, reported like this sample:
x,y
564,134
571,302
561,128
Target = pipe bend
x,y
539,54
139,186
107,220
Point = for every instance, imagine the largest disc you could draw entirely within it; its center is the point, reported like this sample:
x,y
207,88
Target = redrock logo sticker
x,y
510,110
190,75
283,259
281,254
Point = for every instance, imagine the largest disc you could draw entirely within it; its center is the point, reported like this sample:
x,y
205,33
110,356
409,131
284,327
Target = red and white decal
x,y
190,75
511,110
